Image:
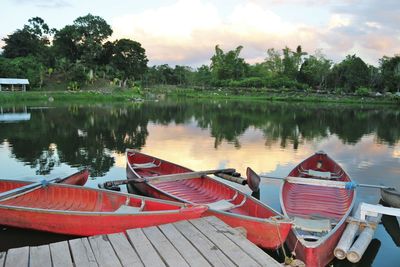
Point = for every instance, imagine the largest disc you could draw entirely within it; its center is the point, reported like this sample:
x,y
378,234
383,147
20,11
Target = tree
x,y
292,61
83,40
66,43
390,69
129,57
93,30
203,75
349,74
23,67
229,65
31,40
314,70
182,74
273,62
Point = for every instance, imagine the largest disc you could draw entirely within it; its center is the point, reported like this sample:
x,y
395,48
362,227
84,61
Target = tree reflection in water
x,y
85,136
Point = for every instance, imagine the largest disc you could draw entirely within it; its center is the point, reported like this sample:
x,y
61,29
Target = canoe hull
x,y
318,256
73,223
81,211
391,197
262,230
310,201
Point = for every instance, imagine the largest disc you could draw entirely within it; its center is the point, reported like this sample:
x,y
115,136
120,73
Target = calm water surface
x,y
269,137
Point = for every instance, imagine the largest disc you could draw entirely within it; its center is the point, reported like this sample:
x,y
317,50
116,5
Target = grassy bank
x,y
69,96
274,95
129,95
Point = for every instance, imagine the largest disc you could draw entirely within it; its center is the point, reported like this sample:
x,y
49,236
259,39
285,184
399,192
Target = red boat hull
x,y
76,210
262,224
308,201
79,178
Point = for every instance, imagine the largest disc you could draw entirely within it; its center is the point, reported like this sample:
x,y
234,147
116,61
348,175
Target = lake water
x,y
269,137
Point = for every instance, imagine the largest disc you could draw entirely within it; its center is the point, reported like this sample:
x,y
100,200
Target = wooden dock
x,y
200,242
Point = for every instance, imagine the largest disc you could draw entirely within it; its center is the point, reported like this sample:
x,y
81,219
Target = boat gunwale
x,y
122,194
96,213
319,242
250,218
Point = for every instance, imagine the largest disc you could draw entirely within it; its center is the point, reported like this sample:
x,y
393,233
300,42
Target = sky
x,y
185,32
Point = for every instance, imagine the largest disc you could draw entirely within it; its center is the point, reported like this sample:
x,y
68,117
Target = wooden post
x,y
348,236
24,87
0,87
360,246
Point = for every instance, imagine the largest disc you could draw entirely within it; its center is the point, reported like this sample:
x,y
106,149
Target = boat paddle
x,y
26,189
167,178
19,191
255,179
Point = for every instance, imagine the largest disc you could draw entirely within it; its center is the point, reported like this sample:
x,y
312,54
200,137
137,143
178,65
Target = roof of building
x,y
13,81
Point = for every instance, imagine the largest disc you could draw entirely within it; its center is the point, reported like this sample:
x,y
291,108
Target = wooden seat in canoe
x,y
312,225
319,174
225,205
126,209
146,165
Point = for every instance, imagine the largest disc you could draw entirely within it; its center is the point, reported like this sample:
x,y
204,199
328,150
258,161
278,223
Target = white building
x,y
11,84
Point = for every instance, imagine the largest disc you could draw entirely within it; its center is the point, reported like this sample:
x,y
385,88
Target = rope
x,y
280,238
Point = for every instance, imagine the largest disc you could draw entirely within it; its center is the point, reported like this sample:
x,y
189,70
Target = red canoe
x,y
265,227
319,212
76,210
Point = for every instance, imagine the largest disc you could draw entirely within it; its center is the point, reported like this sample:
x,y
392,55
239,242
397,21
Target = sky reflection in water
x,y
270,138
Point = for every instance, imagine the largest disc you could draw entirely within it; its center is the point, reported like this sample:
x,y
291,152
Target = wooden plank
x,y
17,257
143,247
185,248
60,254
252,250
40,256
82,253
210,251
103,251
229,248
124,250
167,251
2,254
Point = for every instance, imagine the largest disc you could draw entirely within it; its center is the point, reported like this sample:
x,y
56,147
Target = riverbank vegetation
x,y
81,56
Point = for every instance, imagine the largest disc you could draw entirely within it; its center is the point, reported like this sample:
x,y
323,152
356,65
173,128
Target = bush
x,y
77,74
23,67
363,91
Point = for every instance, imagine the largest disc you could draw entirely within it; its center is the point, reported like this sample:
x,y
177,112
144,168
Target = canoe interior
x,y
324,209
317,202
74,198
197,190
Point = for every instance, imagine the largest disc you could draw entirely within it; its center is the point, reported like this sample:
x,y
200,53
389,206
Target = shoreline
x,y
98,96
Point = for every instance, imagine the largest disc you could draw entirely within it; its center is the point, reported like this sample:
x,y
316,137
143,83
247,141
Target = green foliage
x,y
76,75
31,40
315,70
83,40
291,61
229,65
80,55
23,67
73,86
363,91
129,58
390,67
350,74
273,62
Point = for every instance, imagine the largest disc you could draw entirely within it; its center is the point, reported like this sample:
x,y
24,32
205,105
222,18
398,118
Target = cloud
x,y
45,3
368,28
187,32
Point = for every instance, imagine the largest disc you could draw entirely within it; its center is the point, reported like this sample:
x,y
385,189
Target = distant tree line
x,y
80,54
77,53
